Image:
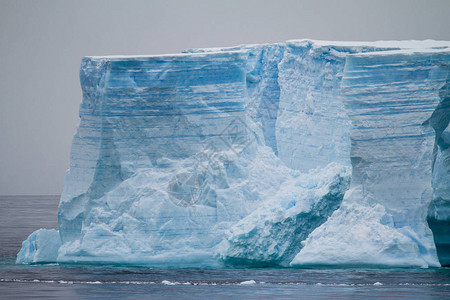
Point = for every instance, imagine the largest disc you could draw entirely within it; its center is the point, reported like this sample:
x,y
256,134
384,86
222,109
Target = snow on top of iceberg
x,y
174,56
408,51
232,48
404,44
242,48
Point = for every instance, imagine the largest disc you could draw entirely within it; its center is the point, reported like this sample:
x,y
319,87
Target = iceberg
x,y
40,247
282,154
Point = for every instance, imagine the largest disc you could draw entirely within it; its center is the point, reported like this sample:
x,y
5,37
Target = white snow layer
x,y
242,156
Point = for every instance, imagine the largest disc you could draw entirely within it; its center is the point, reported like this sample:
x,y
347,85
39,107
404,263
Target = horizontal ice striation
x,y
313,128
391,99
149,125
176,156
263,90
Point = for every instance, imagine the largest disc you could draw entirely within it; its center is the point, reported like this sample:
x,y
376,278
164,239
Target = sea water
x,y
20,215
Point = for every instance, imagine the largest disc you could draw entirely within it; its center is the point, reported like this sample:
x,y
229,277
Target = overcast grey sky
x,y
42,43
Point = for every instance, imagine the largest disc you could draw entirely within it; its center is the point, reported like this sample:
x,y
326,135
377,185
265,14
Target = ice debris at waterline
x,y
290,154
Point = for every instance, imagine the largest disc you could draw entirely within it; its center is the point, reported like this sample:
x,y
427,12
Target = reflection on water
x,y
19,216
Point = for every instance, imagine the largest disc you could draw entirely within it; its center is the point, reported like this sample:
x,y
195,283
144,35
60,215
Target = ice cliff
x,y
392,99
298,153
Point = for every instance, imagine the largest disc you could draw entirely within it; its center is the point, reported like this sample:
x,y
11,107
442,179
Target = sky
x,y
42,43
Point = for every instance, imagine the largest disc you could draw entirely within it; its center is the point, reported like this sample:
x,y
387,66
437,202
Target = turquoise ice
x,y
259,155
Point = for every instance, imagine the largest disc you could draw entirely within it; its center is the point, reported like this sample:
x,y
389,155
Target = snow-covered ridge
x,y
242,156
405,44
173,56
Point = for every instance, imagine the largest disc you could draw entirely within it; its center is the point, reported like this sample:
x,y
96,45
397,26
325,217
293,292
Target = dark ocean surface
x,y
20,215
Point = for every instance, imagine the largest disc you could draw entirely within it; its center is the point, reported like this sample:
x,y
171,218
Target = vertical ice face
x,y
313,128
263,90
85,151
439,209
272,234
179,149
148,124
391,99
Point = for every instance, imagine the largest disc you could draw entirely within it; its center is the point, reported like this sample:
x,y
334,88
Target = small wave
x,y
202,283
248,282
74,281
168,282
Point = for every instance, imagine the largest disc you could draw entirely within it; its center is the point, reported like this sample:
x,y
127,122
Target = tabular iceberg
x,y
261,155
